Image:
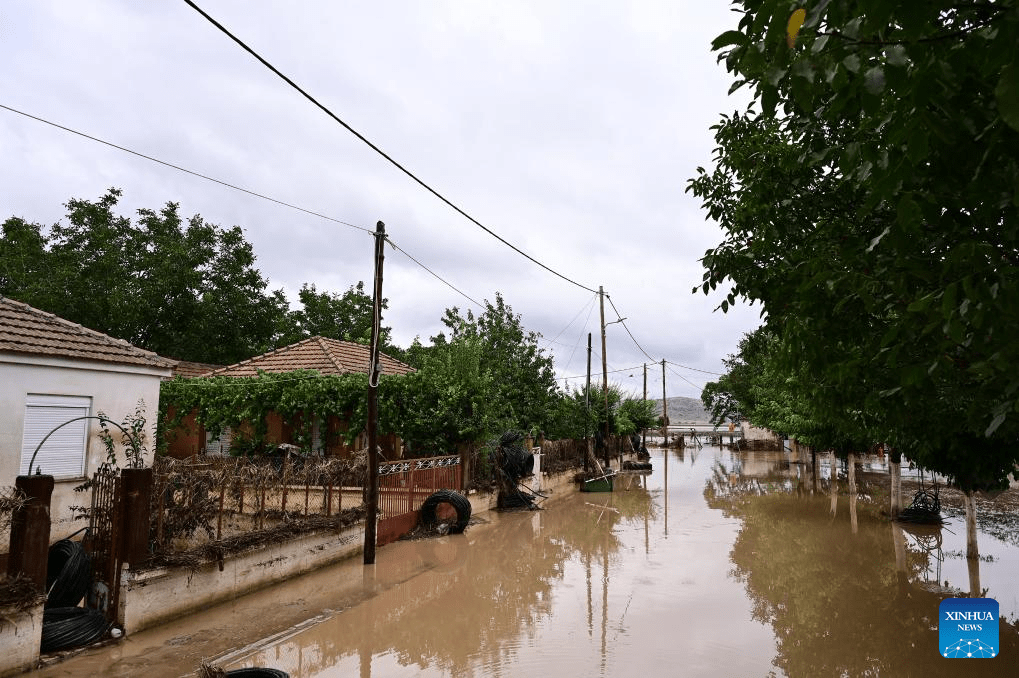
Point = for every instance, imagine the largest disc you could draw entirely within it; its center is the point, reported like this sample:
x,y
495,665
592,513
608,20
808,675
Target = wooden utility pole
x,y
643,431
587,402
665,410
374,368
604,372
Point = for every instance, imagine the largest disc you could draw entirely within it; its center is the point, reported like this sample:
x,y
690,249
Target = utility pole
x,y
643,431
604,372
587,401
374,368
665,409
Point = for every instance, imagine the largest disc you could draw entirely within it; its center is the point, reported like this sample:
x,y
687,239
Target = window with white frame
x,y
63,454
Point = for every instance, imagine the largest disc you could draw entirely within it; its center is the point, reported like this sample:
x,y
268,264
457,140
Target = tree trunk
x,y
852,491
834,475
972,552
899,543
813,469
895,471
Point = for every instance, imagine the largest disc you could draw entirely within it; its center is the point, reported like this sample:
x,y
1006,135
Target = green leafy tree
x,y
635,414
523,385
872,208
185,289
347,316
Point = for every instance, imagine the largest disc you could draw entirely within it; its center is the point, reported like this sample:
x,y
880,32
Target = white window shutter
x,y
63,455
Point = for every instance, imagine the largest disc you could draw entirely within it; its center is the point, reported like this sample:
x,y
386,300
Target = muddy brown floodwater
x,y
716,564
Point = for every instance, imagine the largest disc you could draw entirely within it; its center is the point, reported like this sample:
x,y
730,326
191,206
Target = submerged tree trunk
x,y
852,491
895,472
972,552
813,469
834,473
899,544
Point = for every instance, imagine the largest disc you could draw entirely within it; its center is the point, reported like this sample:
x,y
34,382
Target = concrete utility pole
x,y
374,368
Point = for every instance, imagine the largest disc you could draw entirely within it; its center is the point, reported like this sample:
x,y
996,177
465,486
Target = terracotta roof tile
x,y
327,356
188,368
27,330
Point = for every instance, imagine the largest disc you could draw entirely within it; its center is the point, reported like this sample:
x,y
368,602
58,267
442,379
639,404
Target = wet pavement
x,y
716,564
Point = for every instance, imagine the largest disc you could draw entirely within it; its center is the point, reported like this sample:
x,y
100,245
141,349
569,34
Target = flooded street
x,y
716,564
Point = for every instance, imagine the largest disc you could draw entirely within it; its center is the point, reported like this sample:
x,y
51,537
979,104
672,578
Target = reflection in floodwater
x,y
852,602
718,563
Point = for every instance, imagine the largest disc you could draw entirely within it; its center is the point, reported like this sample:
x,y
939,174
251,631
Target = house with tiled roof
x,y
52,371
320,354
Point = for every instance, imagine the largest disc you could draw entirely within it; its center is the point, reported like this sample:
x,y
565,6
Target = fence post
x,y
30,530
135,498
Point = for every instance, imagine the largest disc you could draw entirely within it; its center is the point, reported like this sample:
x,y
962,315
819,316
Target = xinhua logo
x,y
968,628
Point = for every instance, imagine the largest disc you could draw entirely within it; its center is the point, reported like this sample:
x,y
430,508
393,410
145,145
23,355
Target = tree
x,y
523,384
347,316
888,277
183,289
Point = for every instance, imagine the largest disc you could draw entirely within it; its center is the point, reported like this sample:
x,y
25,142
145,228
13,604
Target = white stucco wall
x,y
20,638
114,390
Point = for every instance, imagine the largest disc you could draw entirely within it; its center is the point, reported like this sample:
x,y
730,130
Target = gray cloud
x,y
568,128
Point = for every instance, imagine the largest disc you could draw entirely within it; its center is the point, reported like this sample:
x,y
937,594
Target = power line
x,y
620,321
235,187
183,169
378,150
694,369
436,275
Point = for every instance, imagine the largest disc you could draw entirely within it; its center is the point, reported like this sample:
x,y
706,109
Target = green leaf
x,y
895,55
728,38
995,423
1007,95
874,80
852,62
907,212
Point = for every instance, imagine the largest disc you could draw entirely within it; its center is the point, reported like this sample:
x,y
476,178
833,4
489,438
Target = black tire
x,y
460,504
257,672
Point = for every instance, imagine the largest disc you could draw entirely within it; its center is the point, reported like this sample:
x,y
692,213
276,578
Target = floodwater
x,y
716,564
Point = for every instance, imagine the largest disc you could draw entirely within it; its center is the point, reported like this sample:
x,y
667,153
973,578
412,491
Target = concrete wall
x,y
151,597
20,639
114,389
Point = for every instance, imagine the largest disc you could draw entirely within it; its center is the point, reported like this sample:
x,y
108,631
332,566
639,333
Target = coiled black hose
x,y
67,627
68,574
460,504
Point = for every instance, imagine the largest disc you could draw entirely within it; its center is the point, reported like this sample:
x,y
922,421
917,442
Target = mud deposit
x,y
718,563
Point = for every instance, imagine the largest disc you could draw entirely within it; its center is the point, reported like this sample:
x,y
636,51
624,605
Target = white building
x,y
53,371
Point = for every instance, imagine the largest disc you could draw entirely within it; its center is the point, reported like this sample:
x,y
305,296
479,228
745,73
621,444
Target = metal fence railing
x,y
404,485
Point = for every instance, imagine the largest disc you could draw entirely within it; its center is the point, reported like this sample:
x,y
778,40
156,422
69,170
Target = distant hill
x,y
685,410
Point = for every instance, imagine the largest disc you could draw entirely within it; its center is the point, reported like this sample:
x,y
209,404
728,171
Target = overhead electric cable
x,y
436,275
183,169
675,373
694,369
378,150
620,321
573,319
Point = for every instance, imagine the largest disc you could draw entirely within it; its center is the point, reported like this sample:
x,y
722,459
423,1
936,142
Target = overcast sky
x,y
570,129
